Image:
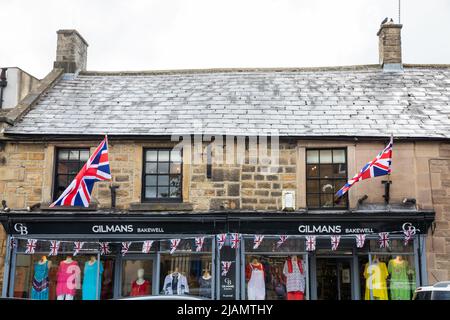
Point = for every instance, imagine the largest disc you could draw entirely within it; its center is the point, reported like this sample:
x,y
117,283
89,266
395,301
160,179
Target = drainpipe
x,y
3,84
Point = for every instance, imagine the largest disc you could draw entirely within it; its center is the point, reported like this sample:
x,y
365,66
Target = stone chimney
x,y
390,45
71,51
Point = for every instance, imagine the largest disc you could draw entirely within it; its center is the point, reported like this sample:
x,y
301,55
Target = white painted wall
x,y
19,84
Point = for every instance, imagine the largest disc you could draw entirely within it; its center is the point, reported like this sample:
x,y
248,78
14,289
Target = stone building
x,y
244,152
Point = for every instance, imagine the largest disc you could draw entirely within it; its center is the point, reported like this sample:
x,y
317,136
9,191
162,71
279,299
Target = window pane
x,y
150,167
63,155
175,181
175,156
62,167
150,192
342,203
163,180
163,192
312,170
163,167
312,186
326,186
164,155
74,155
84,155
175,192
338,156
325,156
312,156
73,167
150,180
151,155
339,184
326,170
339,171
175,168
312,200
62,182
327,200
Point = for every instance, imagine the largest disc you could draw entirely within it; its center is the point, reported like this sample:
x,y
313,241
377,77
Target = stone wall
x,y
438,242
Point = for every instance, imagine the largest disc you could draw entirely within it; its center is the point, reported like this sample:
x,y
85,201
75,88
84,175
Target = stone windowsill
x,y
45,207
161,206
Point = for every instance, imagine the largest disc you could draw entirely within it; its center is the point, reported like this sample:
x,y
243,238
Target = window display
x,y
295,273
39,290
93,271
175,283
137,276
256,288
68,279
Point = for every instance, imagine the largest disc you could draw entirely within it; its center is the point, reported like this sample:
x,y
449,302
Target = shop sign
x,y
228,278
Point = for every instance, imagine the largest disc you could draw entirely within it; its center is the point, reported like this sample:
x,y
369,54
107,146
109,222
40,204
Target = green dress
x,y
400,288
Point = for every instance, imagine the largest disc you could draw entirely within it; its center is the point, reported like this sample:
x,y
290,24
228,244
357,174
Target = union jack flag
x,y
221,238
78,193
281,241
199,243
257,241
360,240
226,265
31,246
125,247
379,166
104,248
384,239
335,242
77,246
310,243
235,240
147,246
174,244
54,247
409,235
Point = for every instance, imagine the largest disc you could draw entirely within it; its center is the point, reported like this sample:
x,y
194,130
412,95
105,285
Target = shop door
x,y
334,281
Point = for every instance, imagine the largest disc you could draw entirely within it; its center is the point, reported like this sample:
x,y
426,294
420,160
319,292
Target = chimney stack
x,y
71,51
390,45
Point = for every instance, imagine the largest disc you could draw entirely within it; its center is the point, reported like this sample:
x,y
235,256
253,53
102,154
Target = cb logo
x,y
20,228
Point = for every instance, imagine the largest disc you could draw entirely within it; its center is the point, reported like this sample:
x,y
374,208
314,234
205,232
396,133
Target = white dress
x,y
256,284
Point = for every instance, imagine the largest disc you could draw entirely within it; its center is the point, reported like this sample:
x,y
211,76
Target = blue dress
x,y
39,289
90,281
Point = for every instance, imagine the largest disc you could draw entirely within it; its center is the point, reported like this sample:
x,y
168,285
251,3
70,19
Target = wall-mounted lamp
x,y
362,199
409,201
34,206
5,207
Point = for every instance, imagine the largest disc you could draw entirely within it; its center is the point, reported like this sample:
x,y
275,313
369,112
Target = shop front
x,y
271,256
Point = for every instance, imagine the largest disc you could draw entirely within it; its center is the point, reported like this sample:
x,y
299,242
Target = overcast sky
x,y
183,34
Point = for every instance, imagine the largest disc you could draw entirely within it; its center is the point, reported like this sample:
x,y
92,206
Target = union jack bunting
x,y
384,239
31,246
257,241
409,235
310,243
226,265
125,247
147,246
104,248
360,240
78,193
174,244
54,247
282,239
199,243
221,238
335,242
235,240
77,246
379,166
13,244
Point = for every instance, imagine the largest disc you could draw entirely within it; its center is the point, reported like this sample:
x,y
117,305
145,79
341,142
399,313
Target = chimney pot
x,y
71,51
390,45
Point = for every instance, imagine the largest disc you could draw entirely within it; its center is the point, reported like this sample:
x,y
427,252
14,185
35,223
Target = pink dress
x,y
68,278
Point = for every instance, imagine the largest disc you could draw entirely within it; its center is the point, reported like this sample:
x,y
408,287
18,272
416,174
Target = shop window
x,y
272,273
326,173
37,276
387,274
68,163
162,177
187,271
137,277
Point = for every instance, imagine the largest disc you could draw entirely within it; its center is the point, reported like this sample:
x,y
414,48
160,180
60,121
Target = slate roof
x,y
324,102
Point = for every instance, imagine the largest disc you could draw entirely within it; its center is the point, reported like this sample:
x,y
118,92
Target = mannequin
x,y
40,285
175,283
294,271
140,287
400,288
376,274
205,284
92,274
68,279
255,276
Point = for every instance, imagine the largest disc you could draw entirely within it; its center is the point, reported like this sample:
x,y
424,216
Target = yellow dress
x,y
376,275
